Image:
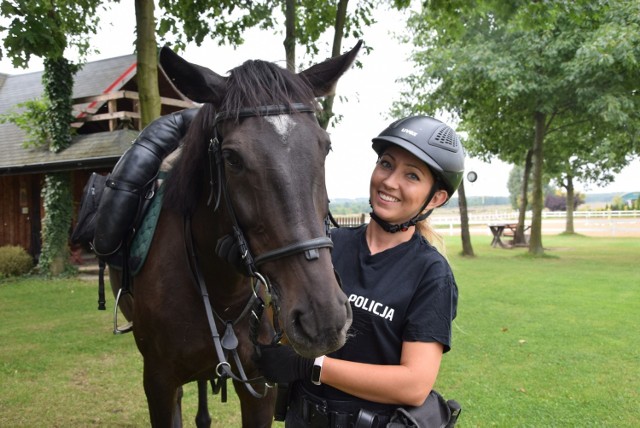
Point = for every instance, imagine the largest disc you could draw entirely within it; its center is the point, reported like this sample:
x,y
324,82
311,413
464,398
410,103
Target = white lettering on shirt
x,y
372,306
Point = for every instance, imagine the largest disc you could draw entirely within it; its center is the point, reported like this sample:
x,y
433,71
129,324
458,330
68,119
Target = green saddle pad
x,y
143,237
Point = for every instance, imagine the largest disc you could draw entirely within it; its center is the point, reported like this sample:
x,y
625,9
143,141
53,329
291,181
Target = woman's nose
x,y
391,180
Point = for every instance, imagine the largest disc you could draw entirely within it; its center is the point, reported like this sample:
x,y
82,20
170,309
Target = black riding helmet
x,y
433,142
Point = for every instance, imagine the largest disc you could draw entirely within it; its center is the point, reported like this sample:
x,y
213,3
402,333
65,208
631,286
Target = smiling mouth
x,y
387,198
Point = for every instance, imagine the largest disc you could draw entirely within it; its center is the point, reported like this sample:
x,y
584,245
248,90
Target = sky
x,y
366,96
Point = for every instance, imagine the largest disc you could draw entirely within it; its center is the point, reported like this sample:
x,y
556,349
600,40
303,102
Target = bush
x,y
14,261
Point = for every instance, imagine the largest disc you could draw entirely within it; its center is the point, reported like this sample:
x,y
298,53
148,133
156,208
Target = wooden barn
x,y
106,108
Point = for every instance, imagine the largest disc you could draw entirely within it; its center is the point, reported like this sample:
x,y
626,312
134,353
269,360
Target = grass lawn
x,y
538,343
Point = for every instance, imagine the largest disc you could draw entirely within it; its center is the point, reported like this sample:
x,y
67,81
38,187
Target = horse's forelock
x,y
260,83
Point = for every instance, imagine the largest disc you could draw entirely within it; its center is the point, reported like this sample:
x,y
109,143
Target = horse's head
x,y
274,152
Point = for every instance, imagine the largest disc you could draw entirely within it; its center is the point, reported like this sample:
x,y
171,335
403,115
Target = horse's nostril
x,y
295,319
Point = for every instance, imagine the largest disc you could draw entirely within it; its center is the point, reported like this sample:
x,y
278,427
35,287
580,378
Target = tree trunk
x,y
519,238
570,204
147,55
290,36
535,242
467,249
338,35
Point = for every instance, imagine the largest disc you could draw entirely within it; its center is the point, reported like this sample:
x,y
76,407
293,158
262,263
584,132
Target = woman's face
x,y
400,184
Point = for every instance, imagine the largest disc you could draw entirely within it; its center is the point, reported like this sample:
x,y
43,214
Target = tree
x,y
147,58
517,72
46,30
305,22
578,159
467,248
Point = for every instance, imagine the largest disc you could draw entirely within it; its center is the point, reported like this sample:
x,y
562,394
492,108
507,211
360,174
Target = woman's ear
x,y
438,199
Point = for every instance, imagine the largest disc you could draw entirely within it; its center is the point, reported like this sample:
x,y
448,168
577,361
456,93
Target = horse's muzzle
x,y
318,331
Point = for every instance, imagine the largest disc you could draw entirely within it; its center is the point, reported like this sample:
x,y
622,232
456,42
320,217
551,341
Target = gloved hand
x,y
281,364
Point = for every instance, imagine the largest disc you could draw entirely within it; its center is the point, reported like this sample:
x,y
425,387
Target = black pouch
x,y
435,412
91,194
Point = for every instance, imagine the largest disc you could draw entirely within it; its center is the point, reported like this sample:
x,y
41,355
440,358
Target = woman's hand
x,y
281,364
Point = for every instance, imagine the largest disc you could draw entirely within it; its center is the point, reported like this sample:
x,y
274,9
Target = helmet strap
x,y
393,228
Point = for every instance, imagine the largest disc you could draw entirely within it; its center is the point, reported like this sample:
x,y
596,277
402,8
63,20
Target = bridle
x,y
256,304
216,175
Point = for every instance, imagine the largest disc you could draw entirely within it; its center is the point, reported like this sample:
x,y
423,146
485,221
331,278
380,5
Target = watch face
x,y
315,374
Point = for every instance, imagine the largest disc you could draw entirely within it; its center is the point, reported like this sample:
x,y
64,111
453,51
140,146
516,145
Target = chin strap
x,y
393,228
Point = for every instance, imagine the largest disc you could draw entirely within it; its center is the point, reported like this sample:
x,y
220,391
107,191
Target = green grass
x,y
538,342
550,341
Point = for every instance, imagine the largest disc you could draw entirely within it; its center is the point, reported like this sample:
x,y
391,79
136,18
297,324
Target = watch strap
x,y
316,370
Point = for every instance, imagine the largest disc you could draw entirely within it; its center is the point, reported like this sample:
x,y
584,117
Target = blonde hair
x,y
425,229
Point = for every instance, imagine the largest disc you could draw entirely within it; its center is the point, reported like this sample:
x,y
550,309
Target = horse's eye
x,y
232,159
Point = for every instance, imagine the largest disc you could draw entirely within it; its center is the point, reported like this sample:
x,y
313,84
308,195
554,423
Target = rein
x,y
255,305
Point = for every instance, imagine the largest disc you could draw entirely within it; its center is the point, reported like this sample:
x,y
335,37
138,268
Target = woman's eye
x,y
413,176
385,164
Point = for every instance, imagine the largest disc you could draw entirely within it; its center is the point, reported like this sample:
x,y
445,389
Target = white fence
x,y
592,223
512,216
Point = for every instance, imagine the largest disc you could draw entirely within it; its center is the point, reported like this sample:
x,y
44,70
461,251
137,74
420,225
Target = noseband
x,y
256,305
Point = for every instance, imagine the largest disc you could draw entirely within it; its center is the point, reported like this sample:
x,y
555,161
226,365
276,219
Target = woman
x,y
401,289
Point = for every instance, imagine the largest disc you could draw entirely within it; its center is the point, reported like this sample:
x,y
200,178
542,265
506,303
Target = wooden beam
x,y
132,95
109,116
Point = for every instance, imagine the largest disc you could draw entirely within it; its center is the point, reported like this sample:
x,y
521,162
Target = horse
x,y
250,173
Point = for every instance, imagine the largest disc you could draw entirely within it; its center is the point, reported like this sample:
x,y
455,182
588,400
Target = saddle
x,y
139,236
112,217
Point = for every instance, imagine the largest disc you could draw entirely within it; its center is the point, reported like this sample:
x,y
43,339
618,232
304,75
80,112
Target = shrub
x,y
14,261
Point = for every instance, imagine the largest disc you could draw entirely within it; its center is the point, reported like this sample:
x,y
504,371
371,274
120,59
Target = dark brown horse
x,y
268,190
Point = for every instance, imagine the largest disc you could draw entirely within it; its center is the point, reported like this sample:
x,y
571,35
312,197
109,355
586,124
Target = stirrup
x,y
128,326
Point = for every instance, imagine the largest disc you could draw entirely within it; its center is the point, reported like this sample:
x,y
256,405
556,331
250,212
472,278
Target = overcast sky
x,y
369,93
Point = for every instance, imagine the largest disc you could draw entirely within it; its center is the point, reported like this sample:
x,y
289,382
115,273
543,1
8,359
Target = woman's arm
x,y
408,383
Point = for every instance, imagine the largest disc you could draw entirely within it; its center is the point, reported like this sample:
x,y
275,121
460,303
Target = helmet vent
x,y
446,138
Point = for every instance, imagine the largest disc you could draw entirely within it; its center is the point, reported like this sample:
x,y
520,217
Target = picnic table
x,y
502,230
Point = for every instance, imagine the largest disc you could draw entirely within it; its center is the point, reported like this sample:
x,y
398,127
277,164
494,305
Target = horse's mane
x,y
253,84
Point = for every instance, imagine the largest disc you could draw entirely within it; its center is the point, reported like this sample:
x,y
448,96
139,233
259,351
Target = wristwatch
x,y
316,370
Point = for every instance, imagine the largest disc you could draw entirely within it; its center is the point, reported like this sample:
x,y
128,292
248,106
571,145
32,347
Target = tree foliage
x,y
46,28
29,117
185,21
520,74
557,201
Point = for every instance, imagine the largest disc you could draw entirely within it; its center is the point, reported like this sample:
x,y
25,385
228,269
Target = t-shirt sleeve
x,y
432,309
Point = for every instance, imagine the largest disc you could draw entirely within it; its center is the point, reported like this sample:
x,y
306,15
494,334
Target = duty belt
x,y
318,413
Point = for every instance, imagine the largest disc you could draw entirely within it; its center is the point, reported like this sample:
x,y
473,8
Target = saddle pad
x,y
143,237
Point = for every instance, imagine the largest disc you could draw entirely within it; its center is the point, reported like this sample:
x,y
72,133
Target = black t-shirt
x,y
406,293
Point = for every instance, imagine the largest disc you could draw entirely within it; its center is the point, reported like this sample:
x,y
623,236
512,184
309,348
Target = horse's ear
x,y
198,83
324,76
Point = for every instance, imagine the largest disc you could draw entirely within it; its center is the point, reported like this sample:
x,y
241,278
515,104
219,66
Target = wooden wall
x,y
21,209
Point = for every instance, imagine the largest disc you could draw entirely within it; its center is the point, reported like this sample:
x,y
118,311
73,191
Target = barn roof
x,y
90,150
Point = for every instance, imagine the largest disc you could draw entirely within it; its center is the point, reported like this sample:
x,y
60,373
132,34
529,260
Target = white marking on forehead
x,y
283,124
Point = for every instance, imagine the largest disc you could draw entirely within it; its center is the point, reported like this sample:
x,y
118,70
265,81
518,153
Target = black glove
x,y
281,364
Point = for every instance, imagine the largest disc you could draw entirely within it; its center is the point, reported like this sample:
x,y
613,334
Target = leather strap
x,y
223,369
